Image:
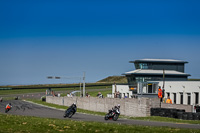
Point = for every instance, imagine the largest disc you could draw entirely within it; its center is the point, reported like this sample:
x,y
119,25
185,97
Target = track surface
x,y
30,109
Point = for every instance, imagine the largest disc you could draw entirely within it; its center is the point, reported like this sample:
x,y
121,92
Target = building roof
x,y
159,61
155,72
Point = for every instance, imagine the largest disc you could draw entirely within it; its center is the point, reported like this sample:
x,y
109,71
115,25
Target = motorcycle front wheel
x,y
70,114
106,117
6,110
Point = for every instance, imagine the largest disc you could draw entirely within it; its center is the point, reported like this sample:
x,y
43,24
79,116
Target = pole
x,y
80,87
163,78
83,84
163,90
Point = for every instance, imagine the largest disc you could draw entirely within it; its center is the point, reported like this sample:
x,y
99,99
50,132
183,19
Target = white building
x,y
181,92
152,73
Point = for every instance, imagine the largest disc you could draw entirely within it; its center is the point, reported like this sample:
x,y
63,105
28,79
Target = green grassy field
x,y
23,91
27,124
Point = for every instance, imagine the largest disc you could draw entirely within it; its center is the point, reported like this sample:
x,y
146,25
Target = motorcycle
x,y
112,114
69,112
7,109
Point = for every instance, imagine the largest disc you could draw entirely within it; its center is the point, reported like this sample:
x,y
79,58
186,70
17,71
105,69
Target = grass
x,y
165,119
114,79
21,124
150,118
23,91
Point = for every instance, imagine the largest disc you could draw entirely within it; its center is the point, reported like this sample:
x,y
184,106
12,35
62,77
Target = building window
x,y
142,79
143,66
188,98
181,98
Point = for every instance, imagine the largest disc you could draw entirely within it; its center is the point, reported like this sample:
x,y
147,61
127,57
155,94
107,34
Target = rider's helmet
x,y
118,105
74,103
9,103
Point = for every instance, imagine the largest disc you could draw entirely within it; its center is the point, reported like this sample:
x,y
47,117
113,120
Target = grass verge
x,y
19,124
23,91
150,118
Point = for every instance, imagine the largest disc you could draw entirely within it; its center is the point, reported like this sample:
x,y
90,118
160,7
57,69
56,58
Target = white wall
x,y
185,87
123,89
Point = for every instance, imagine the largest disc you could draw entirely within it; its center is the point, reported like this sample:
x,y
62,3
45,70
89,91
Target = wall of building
x,y
139,107
182,87
189,89
123,89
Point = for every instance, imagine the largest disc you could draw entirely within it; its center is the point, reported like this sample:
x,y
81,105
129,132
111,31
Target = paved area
x,y
30,109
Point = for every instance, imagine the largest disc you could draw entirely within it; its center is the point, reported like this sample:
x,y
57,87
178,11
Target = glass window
x,y
137,66
143,66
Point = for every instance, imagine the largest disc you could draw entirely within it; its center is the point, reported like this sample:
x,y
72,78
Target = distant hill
x,y
122,79
193,79
112,79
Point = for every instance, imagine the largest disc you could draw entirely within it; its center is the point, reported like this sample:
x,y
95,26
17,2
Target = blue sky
x,y
66,38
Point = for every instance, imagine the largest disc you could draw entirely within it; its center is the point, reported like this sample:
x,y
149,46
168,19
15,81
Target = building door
x,y
188,98
181,98
174,98
196,98
149,88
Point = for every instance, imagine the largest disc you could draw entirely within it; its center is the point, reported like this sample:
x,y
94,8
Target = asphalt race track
x,y
29,109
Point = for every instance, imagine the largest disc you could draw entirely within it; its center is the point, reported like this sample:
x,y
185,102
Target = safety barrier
x,y
175,113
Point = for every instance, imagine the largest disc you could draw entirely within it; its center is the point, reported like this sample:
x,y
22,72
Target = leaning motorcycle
x,y
112,114
7,109
69,113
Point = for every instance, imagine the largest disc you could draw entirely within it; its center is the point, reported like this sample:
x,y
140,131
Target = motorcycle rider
x,y
116,109
8,106
74,107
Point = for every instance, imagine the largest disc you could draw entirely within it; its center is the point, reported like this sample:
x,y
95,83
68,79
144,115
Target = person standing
x,y
169,100
160,93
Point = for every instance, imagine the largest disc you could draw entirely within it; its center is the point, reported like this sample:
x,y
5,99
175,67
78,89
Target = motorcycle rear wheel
x,y
115,117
